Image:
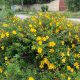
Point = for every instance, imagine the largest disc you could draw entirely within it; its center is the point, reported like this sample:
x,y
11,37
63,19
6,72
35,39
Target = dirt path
x,y
74,19
22,16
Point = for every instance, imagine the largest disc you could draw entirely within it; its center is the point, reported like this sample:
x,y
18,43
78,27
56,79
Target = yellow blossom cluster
x,y
51,66
7,34
53,40
70,69
1,69
31,78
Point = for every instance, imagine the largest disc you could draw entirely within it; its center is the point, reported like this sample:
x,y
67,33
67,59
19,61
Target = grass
x,y
72,14
75,15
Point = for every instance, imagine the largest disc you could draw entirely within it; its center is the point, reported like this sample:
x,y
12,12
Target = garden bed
x,y
46,47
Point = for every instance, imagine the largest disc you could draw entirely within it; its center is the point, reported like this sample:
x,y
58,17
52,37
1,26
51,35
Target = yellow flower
x,y
2,35
40,42
31,78
72,70
5,25
68,68
57,31
60,27
1,70
62,54
14,32
51,50
46,61
76,36
40,14
40,23
69,78
63,60
57,23
73,45
51,44
68,52
39,38
6,58
2,47
42,64
33,30
7,34
47,16
39,50
44,39
51,66
33,18
51,24
68,49
30,25
47,37
76,65
78,55
62,42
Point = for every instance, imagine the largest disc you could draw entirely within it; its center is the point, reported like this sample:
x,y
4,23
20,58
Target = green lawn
x,y
72,14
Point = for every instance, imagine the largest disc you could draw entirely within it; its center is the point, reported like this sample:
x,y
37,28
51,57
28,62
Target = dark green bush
x,y
73,5
44,47
44,8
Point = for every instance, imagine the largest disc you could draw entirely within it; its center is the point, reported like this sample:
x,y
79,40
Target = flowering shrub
x,y
43,47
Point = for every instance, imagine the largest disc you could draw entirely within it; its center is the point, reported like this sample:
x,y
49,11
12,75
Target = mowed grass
x,y
72,14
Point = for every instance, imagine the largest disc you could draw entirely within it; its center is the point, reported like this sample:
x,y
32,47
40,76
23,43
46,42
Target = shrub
x,y
73,5
44,47
44,8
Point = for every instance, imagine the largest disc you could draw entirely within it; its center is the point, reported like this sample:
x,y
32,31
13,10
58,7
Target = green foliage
x,y
73,5
11,2
1,2
44,8
5,13
45,46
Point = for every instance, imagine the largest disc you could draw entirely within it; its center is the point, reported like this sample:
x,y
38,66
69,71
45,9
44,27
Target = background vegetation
x,y
73,5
